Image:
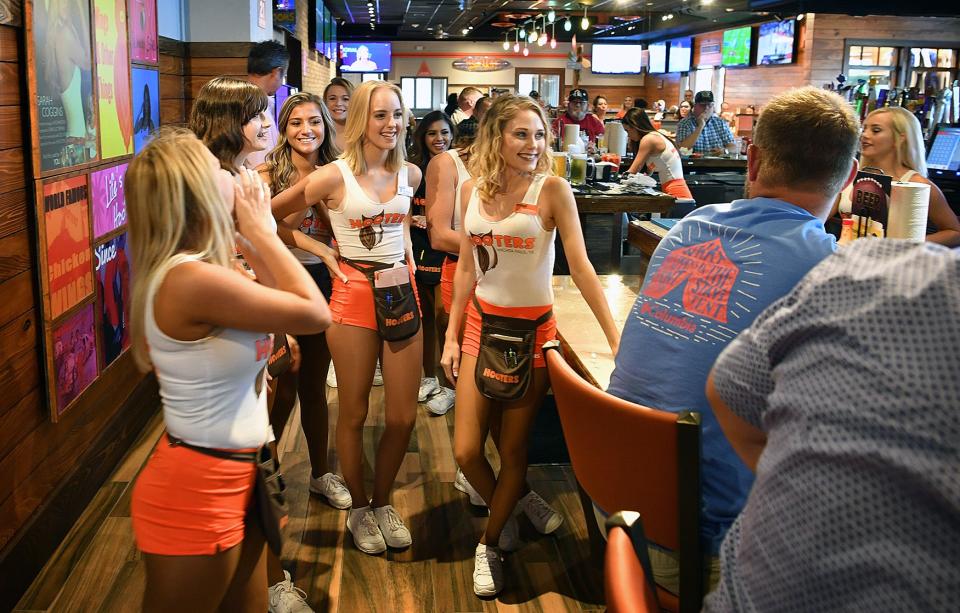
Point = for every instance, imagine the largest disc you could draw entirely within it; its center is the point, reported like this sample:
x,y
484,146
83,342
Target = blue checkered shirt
x,y
715,134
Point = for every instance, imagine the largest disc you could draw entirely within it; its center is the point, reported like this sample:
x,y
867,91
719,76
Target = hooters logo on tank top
x,y
371,228
488,244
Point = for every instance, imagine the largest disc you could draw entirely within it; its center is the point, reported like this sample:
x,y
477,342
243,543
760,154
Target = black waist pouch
x,y
428,260
505,360
268,506
398,315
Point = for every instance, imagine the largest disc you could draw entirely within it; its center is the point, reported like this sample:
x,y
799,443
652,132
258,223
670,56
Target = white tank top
x,y
847,193
667,163
462,177
369,230
313,227
213,390
516,253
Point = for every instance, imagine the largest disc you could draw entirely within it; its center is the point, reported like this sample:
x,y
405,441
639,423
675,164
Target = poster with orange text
x,y
113,78
66,221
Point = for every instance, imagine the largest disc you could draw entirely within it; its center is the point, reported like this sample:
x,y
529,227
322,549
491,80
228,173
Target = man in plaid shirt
x,y
703,131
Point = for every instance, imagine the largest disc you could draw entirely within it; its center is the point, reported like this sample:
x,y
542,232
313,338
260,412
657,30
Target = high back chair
x,y
632,458
627,578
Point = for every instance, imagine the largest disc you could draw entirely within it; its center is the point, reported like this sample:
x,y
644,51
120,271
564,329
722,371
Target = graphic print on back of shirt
x,y
694,289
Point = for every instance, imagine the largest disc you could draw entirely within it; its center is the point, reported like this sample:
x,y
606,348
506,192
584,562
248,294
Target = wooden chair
x,y
627,578
629,457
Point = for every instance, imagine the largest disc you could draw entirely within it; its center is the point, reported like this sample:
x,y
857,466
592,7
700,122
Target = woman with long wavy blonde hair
x,y
190,502
367,192
513,210
892,141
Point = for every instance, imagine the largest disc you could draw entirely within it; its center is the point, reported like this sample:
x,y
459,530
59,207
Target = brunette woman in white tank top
x,y
657,149
367,193
189,507
510,220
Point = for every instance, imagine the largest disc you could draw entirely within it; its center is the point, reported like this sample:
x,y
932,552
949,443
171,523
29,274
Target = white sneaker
x,y
442,401
461,483
543,517
362,524
331,377
285,597
333,488
394,532
428,387
487,571
377,376
510,535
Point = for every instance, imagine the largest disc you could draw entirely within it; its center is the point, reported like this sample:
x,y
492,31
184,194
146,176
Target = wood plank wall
x,y
172,73
48,472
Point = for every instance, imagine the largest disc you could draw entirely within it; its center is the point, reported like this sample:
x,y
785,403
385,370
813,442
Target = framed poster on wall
x,y
143,31
67,277
112,264
107,203
74,358
113,78
146,105
62,114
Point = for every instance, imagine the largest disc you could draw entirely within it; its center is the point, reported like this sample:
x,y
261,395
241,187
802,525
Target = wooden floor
x,y
98,567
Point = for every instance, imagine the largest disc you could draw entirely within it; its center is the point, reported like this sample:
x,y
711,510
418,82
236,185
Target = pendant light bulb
x,y
522,34
506,43
584,23
516,47
567,26
526,51
553,43
551,15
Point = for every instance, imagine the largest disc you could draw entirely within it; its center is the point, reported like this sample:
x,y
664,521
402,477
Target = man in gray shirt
x,y
843,396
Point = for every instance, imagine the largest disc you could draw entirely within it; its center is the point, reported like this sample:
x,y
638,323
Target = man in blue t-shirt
x,y
718,268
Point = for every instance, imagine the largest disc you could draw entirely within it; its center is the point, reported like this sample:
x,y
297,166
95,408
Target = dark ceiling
x,y
609,19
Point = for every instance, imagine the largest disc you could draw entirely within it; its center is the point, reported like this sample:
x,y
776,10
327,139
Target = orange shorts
x,y
446,283
187,503
352,303
471,333
677,188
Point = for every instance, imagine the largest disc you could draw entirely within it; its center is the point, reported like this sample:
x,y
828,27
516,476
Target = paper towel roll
x,y
908,210
571,135
616,138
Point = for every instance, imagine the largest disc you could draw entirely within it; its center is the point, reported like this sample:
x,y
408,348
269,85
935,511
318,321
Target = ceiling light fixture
x,y
801,16
553,36
729,9
526,51
465,30
567,26
551,15
584,23
506,43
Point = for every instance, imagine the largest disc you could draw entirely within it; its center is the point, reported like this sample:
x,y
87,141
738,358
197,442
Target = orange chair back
x,y
634,458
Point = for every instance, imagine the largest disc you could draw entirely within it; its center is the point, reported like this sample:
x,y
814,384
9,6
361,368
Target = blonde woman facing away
x,y
189,503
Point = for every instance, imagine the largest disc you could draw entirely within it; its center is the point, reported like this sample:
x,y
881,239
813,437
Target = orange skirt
x,y
471,333
187,503
352,304
677,188
447,273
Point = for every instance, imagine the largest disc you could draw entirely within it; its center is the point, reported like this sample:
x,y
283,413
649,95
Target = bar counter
x,y
712,162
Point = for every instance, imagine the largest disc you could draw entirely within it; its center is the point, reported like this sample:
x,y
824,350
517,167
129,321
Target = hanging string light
x,y
551,15
516,45
526,51
543,34
584,23
553,36
506,42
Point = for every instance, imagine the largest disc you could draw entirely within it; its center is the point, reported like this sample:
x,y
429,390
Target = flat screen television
x,y
330,50
776,42
943,159
316,27
616,59
658,57
679,60
365,57
736,47
285,15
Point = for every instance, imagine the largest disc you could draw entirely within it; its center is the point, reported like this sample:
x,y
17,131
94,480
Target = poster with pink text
x,y
74,356
109,206
143,31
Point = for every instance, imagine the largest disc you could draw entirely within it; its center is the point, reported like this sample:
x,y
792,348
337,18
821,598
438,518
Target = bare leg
x,y
232,580
470,430
354,350
400,362
314,415
283,391
248,589
514,435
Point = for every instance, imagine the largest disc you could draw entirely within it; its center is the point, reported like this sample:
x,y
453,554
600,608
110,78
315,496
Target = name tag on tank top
x,y
405,190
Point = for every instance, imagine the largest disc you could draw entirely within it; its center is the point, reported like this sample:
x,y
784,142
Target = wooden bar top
x,y
593,200
585,347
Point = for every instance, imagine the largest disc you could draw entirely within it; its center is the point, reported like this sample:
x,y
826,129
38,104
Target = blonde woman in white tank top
x,y
188,507
368,194
511,216
892,141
